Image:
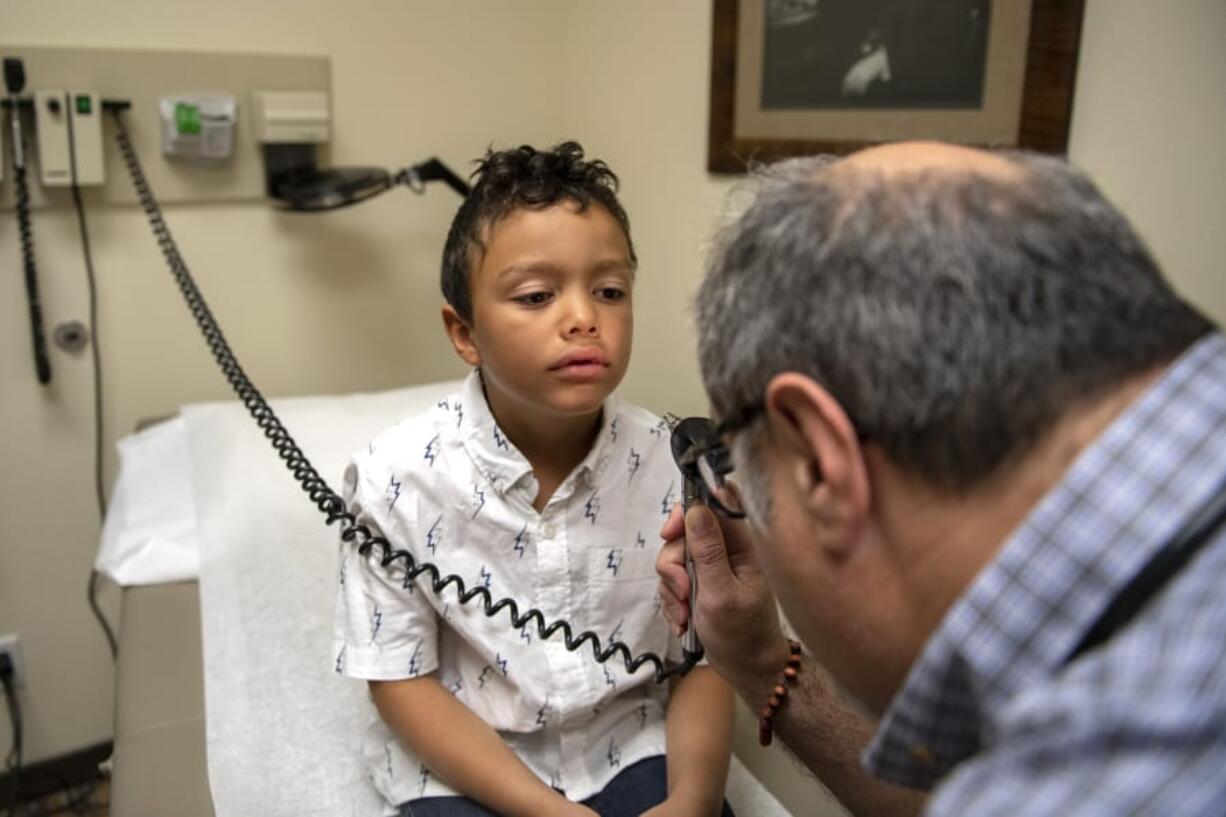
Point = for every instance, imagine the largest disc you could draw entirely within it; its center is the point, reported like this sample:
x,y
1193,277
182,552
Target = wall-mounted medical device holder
x,y
198,127
327,501
68,127
289,125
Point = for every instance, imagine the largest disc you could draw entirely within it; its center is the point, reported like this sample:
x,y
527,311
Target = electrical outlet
x,y
8,646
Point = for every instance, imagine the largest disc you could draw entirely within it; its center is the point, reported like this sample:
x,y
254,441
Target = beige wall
x,y
354,293
628,79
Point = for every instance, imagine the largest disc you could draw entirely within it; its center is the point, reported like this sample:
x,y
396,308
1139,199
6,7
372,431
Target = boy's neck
x,y
553,445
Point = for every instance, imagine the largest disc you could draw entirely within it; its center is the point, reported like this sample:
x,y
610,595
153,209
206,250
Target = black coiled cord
x,y
324,498
42,363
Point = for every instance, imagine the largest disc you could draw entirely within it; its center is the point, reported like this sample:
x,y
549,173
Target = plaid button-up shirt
x,y
993,719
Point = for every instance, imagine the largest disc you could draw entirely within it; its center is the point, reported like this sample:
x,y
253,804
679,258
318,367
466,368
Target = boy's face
x,y
552,320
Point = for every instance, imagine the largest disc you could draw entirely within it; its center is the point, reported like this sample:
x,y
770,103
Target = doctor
x,y
979,441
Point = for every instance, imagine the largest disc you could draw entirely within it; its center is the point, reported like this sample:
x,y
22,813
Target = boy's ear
x,y
460,332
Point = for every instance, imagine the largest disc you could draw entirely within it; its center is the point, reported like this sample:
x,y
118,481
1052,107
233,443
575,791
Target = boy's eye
x,y
611,293
533,298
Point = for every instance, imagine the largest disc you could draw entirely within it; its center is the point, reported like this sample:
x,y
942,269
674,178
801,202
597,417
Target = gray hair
x,y
954,315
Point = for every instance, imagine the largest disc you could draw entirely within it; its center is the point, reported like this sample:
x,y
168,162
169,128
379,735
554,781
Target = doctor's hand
x,y
736,615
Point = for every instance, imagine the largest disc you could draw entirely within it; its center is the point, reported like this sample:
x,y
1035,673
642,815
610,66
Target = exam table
x,y
225,702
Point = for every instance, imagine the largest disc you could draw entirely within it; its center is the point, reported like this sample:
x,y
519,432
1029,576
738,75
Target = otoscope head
x,y
688,433
705,462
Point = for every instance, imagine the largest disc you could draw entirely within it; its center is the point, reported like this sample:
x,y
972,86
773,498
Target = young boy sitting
x,y
536,483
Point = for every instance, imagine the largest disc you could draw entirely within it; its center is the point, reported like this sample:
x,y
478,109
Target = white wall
x,y
355,293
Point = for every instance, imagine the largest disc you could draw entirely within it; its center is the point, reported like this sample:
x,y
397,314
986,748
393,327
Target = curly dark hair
x,y
522,177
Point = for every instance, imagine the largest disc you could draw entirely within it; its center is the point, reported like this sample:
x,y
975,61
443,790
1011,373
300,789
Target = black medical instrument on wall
x,y
295,183
14,83
327,501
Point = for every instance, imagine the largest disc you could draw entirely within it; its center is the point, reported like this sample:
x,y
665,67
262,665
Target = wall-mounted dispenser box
x,y
291,116
198,126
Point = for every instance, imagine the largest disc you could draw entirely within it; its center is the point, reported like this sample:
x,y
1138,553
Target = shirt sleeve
x,y
385,627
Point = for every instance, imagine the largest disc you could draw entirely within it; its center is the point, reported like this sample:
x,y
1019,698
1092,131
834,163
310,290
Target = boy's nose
x,y
583,328
582,319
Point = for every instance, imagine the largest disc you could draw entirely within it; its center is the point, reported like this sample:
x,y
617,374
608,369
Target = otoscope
x,y
688,437
14,83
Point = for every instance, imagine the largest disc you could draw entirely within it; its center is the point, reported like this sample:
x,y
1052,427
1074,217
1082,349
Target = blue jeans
x,y
636,789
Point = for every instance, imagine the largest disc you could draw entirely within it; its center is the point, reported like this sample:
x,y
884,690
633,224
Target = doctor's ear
x,y
818,442
460,332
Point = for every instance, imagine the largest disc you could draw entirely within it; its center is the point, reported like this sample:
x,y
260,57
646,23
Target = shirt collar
x,y
1024,613
502,463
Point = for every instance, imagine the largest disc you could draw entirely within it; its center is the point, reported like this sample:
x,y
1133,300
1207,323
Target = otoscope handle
x,y
691,646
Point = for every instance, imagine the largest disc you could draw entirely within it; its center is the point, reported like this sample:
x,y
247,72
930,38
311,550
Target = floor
x,y
90,799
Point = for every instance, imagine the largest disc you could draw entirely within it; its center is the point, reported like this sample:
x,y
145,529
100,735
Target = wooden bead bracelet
x,y
779,694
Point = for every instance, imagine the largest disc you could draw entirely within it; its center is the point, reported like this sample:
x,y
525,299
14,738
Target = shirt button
x,y
549,531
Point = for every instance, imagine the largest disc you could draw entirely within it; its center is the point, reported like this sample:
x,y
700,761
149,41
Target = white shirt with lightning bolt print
x,y
451,489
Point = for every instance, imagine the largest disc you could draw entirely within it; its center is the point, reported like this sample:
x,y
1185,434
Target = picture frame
x,y
1027,52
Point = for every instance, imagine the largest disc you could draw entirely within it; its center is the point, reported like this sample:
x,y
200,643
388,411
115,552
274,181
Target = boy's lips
x,y
581,365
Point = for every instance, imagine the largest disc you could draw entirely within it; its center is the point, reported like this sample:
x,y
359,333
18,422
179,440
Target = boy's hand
x,y
673,807
565,808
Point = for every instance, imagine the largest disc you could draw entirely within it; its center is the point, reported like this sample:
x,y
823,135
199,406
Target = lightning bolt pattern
x,y
542,714
478,499
376,622
434,536
591,510
669,500
519,541
614,562
393,491
431,451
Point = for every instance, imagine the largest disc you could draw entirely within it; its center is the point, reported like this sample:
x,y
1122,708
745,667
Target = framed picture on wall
x,y
795,77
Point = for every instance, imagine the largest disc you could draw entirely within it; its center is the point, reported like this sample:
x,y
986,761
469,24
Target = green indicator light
x,y
84,105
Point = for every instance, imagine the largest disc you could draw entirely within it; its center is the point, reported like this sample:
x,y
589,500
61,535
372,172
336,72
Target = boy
x,y
536,483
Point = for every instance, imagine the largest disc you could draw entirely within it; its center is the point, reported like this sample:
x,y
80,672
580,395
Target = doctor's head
x,y
915,341
538,272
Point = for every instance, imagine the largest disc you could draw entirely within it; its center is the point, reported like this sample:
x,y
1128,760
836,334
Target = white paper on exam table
x,y
149,535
